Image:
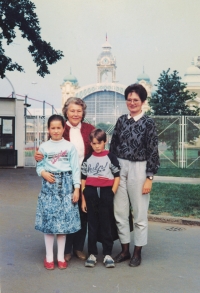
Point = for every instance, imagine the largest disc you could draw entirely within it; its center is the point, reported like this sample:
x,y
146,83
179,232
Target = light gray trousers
x,y
132,178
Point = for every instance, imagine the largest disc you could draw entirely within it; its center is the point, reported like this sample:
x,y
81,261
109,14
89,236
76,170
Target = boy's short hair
x,y
99,134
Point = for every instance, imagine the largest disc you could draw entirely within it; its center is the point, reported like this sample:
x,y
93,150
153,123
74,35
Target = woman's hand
x,y
75,196
84,206
48,176
147,186
38,156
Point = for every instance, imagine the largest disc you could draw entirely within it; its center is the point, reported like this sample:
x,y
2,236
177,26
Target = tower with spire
x,y
106,62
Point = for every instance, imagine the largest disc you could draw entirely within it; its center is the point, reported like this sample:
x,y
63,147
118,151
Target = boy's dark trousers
x,y
100,214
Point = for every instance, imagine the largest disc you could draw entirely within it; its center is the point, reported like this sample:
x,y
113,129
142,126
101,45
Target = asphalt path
x,y
170,261
179,180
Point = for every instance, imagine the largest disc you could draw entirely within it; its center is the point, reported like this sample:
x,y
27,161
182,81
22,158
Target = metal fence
x,y
179,139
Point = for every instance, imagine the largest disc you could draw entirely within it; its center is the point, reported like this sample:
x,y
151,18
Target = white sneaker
x,y
91,261
108,262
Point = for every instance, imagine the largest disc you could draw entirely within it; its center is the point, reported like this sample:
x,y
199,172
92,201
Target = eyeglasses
x,y
130,101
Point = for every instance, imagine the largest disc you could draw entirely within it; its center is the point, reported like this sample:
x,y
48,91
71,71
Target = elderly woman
x,y
135,143
76,131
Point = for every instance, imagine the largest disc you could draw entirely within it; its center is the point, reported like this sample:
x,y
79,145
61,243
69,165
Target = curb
x,y
174,220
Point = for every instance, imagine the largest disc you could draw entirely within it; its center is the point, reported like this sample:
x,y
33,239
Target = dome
x,y
70,78
106,52
106,45
192,75
192,70
143,76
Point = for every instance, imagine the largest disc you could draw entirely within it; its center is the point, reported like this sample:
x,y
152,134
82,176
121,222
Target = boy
x,y
99,182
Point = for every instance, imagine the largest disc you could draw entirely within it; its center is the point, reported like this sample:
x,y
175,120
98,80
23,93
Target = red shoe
x,y
62,265
48,265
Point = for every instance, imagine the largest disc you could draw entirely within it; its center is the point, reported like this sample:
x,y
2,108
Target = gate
x,y
178,136
192,142
35,134
169,137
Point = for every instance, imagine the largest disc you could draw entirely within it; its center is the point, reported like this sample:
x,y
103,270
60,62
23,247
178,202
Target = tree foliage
x,y
171,96
103,126
20,14
170,100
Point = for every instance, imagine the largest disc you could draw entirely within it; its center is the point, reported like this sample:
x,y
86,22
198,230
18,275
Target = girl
x,y
57,211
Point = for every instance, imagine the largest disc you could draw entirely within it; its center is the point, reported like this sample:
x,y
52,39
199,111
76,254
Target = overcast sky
x,y
156,34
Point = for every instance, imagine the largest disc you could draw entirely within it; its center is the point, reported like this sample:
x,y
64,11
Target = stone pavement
x,y
170,261
185,180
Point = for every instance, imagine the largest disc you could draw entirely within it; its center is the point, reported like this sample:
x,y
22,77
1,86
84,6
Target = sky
x,y
150,34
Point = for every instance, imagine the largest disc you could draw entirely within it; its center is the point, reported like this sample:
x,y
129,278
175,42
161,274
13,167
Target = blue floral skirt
x,y
56,213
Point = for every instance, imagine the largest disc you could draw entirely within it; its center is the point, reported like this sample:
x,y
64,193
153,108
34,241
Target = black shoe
x,y
120,257
135,261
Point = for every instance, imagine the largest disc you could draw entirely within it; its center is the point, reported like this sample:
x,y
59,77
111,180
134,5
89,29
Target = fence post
x,y
37,133
182,141
25,114
43,120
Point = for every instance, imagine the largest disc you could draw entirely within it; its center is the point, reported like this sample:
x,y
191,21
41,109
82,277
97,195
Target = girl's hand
x,y
147,186
48,176
83,206
38,156
75,196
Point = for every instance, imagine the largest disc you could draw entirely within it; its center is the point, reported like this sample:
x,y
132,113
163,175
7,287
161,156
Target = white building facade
x,y
192,79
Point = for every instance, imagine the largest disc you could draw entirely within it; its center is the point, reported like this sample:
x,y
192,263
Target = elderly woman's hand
x,y
147,186
48,176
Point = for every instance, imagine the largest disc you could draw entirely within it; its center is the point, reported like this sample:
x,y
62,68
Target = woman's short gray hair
x,y
76,101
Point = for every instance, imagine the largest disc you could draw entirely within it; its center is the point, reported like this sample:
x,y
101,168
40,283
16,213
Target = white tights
x,y
49,240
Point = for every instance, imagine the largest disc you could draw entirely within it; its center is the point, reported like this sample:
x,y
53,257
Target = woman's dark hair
x,y
76,101
99,134
138,89
56,117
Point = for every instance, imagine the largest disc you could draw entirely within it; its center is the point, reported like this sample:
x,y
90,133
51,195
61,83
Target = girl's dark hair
x,y
76,101
56,117
99,134
138,89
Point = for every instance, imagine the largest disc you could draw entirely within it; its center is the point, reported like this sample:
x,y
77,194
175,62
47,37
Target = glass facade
x,y
105,107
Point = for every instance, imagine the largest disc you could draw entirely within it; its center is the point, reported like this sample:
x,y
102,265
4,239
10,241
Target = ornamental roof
x,y
106,52
70,78
192,75
143,76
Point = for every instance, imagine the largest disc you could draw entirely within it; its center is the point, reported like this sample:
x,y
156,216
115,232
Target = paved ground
x,y
184,180
170,260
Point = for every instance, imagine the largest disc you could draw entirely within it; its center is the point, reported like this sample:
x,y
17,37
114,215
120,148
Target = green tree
x,y
103,126
20,14
171,96
170,99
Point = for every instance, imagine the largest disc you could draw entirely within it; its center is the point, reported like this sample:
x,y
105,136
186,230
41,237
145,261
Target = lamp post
x,y
13,90
26,105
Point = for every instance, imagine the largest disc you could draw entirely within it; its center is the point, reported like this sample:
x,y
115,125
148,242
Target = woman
x,y
135,144
76,131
